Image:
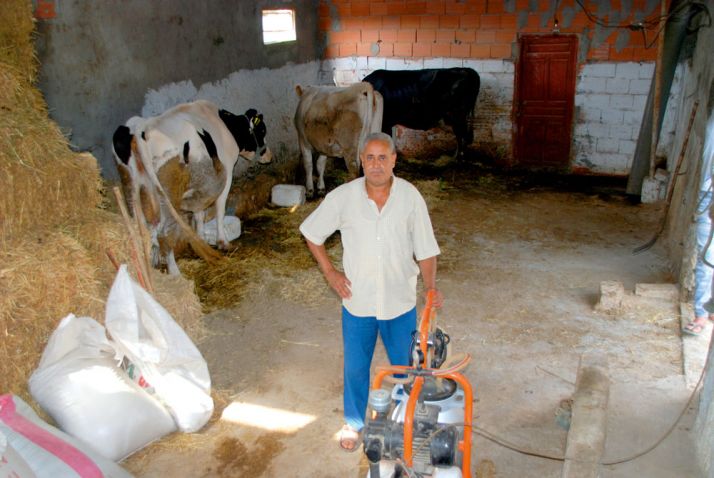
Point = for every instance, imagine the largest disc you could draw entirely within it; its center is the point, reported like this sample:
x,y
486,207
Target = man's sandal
x,y
695,327
349,439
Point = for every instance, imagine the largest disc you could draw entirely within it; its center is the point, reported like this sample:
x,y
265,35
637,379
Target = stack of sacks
x,y
30,448
119,395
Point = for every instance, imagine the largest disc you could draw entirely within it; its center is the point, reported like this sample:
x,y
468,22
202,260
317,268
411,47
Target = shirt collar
x,y
364,185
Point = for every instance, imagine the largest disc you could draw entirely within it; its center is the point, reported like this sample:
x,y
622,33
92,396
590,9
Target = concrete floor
x,y
521,268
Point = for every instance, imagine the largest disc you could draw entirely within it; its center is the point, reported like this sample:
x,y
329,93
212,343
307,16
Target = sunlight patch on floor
x,y
266,418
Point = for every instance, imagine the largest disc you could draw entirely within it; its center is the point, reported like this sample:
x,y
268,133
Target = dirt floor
x,y
521,266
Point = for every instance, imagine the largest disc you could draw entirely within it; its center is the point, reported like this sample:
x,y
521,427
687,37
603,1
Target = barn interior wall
x,y
698,86
614,76
99,60
270,90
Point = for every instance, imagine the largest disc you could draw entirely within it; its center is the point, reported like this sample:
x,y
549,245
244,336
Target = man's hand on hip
x,y
339,283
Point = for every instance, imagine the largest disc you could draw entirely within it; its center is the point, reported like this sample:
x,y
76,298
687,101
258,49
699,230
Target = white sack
x,y
79,384
11,463
146,334
231,226
47,451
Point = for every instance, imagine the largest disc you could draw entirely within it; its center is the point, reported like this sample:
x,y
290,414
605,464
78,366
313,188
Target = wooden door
x,y
545,93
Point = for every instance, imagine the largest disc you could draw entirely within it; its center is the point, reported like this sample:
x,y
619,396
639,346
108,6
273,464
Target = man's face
x,y
377,162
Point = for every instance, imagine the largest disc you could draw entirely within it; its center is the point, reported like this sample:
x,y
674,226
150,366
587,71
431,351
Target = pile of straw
x,y
272,251
55,226
270,248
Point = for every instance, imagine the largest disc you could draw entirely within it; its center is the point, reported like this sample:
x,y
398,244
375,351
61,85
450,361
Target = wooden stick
x,y
112,258
139,275
145,242
140,265
670,186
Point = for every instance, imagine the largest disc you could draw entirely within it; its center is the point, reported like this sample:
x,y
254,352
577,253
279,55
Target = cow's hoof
x,y
321,193
310,194
225,246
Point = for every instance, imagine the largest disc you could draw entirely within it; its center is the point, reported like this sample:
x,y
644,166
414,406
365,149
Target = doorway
x,y
545,93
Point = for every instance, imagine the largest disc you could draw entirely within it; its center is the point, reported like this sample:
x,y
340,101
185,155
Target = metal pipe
x,y
681,12
657,88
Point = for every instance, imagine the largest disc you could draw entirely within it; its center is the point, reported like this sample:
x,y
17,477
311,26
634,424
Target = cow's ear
x,y
251,113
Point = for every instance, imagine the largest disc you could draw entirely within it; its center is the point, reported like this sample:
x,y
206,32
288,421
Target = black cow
x,y
420,99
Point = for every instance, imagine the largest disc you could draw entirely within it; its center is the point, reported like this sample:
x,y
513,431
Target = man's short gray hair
x,y
379,136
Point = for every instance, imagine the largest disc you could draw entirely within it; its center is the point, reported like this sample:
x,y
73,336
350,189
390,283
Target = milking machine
x,y
422,427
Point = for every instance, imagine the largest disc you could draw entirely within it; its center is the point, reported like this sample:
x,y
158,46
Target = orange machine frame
x,y
424,327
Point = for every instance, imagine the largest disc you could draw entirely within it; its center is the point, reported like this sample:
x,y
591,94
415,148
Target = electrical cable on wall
x,y
650,23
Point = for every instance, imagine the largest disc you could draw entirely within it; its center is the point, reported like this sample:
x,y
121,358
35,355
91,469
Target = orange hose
x,y
409,420
425,324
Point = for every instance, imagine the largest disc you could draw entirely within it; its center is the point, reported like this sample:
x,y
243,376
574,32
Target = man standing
x,y
387,240
703,310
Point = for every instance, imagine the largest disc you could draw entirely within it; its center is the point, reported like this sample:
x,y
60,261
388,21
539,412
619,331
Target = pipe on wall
x,y
681,12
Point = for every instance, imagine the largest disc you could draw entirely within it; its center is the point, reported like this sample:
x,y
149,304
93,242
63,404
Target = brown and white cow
x,y
182,160
332,121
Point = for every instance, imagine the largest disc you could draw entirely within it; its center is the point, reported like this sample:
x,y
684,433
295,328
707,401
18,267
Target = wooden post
x,y
588,426
658,88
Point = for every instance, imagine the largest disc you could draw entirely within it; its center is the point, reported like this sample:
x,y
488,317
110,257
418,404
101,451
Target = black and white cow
x,y
182,160
421,99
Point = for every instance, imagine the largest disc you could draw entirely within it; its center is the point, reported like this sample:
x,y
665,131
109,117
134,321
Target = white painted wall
x,y
610,100
270,91
493,125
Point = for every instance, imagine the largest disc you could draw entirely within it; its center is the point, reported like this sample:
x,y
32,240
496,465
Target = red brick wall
x,y
476,29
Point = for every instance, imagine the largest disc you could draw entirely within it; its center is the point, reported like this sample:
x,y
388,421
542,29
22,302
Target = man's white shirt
x,y
380,248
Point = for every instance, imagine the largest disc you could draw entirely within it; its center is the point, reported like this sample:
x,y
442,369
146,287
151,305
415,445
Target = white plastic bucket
x,y
287,195
231,225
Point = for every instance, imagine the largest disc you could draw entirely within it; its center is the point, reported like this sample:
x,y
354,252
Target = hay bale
x,y
17,26
43,278
177,295
55,228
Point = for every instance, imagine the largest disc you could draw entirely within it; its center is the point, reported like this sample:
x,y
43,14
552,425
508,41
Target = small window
x,y
278,26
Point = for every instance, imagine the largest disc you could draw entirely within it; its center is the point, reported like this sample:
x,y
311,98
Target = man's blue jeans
x,y
359,337
702,271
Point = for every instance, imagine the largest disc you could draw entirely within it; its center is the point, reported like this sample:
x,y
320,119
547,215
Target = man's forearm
x,y
428,272
320,254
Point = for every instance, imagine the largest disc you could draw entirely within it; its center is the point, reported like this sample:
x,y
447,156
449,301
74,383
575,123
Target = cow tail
x,y
369,119
199,246
378,114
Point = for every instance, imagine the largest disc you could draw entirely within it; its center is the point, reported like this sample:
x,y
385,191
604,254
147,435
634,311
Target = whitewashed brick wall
x,y
492,121
609,102
610,99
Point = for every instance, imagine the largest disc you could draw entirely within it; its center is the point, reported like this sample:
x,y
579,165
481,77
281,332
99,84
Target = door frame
x,y
522,37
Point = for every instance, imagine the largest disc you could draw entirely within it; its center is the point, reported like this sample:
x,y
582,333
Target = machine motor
x,y
436,430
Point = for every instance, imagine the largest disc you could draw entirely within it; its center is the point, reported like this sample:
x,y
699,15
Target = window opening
x,y
278,26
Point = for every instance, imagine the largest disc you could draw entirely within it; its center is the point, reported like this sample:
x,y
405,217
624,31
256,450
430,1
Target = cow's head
x,y
249,131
